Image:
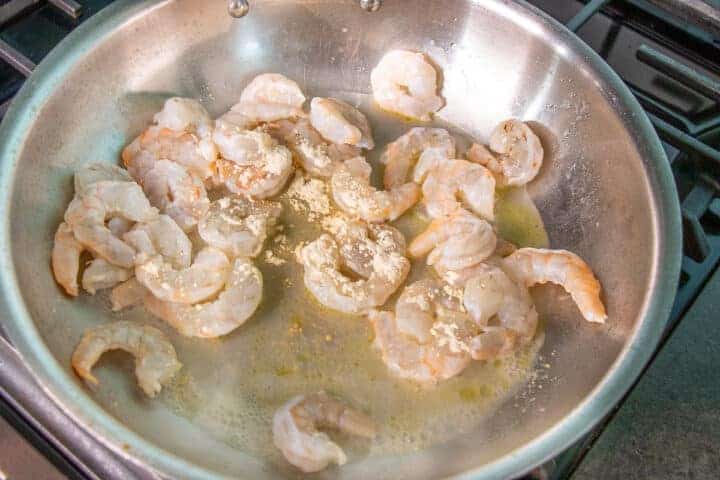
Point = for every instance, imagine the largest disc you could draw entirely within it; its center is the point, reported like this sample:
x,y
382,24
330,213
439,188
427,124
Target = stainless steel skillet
x,y
606,193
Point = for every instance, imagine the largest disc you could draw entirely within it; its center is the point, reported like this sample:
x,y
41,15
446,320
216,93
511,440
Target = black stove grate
x,y
680,45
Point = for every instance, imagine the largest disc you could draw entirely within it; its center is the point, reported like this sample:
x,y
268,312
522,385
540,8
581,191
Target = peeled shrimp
x,y
155,360
455,242
238,226
184,114
520,153
101,274
91,173
440,358
190,146
127,294
405,151
296,434
424,303
160,236
252,162
340,122
406,83
316,156
88,211
324,261
269,97
235,304
457,183
502,308
66,259
358,242
538,265
201,280
176,192
355,196
119,226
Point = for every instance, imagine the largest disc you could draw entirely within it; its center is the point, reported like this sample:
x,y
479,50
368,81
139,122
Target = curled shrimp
x,y
340,122
455,242
66,259
95,172
380,270
443,356
100,275
238,226
119,226
533,266
316,156
252,163
175,191
520,153
296,434
502,308
406,83
402,154
352,192
88,211
269,97
155,360
358,242
236,303
127,294
184,114
160,236
201,280
454,184
190,146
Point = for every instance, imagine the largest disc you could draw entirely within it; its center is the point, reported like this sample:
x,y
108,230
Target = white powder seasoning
x,y
309,195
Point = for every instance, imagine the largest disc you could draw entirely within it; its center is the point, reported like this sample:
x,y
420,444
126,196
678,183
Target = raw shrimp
x,y
458,183
425,302
269,97
324,262
175,191
406,83
502,308
119,226
127,294
160,236
538,265
235,304
91,173
443,357
296,434
238,226
184,114
520,152
204,278
253,163
316,156
100,274
66,259
155,360
455,242
340,122
357,242
354,195
182,134
400,155
88,211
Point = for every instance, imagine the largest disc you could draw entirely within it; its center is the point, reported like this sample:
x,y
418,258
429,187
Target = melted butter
x,y
518,220
292,345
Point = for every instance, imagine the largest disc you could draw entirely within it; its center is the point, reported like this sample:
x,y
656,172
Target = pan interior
x,y
594,194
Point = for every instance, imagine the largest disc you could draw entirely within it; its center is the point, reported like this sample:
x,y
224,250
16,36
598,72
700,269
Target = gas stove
x,y
668,425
